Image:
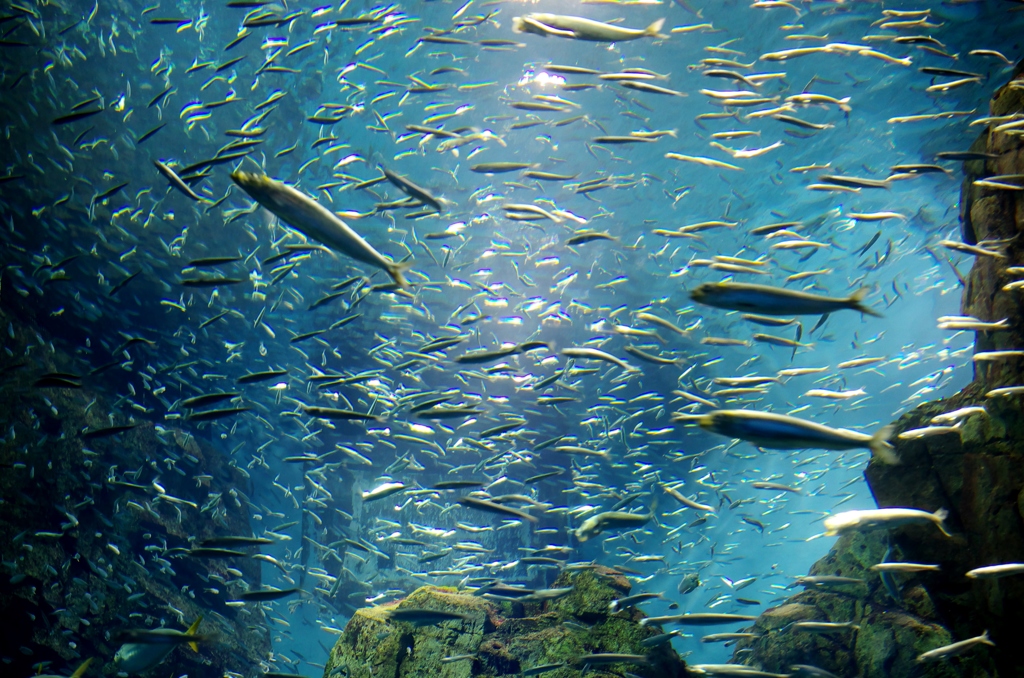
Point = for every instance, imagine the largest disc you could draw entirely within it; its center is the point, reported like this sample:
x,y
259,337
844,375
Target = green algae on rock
x,y
506,638
975,472
890,634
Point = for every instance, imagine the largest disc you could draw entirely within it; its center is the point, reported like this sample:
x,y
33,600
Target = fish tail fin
x,y
855,300
844,104
518,24
881,448
984,639
654,30
80,671
397,272
940,521
192,631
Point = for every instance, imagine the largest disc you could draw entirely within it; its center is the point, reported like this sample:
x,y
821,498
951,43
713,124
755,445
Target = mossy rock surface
x,y
890,634
560,632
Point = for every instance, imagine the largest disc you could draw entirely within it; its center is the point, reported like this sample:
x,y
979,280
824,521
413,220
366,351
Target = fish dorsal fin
x,y
80,671
192,631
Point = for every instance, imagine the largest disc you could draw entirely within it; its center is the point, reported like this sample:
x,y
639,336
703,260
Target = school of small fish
x,y
534,286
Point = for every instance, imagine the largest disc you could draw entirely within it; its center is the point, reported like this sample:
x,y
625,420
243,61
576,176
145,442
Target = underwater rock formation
x,y
890,625
82,499
976,472
997,217
504,638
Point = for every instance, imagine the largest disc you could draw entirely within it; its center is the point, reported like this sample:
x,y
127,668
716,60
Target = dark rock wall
x,y
997,216
976,473
93,530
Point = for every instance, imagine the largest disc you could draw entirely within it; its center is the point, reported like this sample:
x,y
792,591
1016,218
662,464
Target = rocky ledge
x,y
484,637
976,472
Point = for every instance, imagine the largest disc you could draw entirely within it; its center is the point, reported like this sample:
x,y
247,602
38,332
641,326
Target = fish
x,y
954,649
822,628
424,617
106,431
825,581
904,567
579,28
651,88
232,540
698,619
659,639
75,116
212,261
383,491
542,476
629,601
597,354
760,485
335,414
147,648
783,432
315,221
210,281
808,671
491,507
614,520
995,571
176,182
209,552
256,377
686,501
78,673
543,343
499,167
767,300
689,583
884,518
456,484
265,595
412,190
542,669
601,659
210,415
729,669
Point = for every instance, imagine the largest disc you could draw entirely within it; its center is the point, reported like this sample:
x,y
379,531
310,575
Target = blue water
x,y
540,289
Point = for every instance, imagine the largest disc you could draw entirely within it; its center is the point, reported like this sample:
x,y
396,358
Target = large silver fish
x,y
775,300
783,432
153,647
314,220
580,28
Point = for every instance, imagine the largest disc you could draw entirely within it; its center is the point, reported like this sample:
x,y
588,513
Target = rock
x,y
890,634
75,563
372,645
502,644
976,473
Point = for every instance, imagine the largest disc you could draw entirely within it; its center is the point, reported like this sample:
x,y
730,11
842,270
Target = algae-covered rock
x,y
373,645
488,641
97,521
975,472
894,623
